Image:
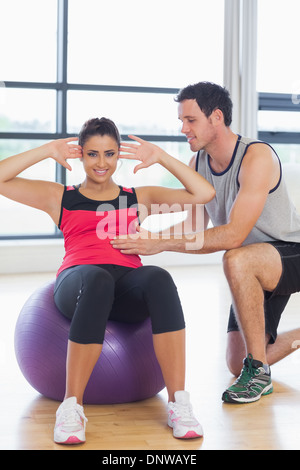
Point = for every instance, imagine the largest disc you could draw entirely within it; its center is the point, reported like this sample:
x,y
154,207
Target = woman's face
x,y
100,157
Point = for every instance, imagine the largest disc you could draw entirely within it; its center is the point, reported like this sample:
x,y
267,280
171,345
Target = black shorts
x,y
289,283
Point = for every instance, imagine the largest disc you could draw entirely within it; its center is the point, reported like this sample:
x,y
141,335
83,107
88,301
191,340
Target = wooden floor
x,y
27,419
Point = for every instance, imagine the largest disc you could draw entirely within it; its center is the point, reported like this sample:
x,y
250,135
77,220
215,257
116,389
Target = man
x,y
257,226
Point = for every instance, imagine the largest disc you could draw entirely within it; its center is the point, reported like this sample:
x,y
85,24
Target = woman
x,y
95,281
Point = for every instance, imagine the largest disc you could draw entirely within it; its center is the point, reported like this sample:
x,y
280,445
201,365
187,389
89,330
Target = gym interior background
x,y
64,61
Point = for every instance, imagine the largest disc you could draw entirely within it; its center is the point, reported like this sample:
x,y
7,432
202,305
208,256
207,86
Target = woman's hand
x,y
42,195
144,151
61,150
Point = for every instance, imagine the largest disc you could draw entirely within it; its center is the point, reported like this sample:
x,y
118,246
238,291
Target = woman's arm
x,y
41,195
196,189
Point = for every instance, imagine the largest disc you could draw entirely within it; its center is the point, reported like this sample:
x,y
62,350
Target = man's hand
x,y
140,243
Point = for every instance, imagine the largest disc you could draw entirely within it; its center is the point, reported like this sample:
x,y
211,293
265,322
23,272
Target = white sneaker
x,y
70,423
182,419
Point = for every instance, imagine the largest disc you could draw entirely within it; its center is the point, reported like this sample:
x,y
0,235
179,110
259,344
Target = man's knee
x,y
233,262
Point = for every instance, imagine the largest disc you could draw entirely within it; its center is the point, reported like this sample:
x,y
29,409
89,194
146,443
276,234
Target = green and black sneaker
x,y
252,383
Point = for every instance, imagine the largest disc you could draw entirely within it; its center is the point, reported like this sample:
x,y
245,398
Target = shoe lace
x,y
184,411
247,372
70,415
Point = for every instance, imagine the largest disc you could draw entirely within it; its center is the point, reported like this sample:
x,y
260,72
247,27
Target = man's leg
x,y
285,344
236,351
250,271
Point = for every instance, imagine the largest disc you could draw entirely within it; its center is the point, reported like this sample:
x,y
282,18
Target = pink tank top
x,y
88,226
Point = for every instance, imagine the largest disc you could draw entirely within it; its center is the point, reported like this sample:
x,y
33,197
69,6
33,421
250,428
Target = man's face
x,y
199,129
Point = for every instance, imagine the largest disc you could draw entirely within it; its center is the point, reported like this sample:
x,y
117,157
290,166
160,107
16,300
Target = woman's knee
x,y
86,284
96,278
161,295
157,285
152,277
93,306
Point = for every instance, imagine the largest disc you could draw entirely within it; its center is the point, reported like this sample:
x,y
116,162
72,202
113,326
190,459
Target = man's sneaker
x,y
70,423
253,382
181,418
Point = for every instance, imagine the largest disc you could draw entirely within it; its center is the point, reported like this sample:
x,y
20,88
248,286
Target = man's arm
x,y
259,173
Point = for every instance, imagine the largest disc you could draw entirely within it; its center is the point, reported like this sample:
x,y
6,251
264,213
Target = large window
x,y
67,61
28,40
149,43
278,77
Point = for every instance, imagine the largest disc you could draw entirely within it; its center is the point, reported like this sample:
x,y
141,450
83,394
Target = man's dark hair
x,y
209,97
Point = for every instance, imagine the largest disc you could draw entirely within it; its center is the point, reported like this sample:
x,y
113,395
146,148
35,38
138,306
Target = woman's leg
x,y
85,295
170,352
81,360
150,291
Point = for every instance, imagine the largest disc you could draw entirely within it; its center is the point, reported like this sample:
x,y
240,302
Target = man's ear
x,y
217,116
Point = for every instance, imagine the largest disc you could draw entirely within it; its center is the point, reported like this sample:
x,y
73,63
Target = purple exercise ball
x,y
126,371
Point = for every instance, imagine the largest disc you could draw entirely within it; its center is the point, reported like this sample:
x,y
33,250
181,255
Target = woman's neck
x,y
99,191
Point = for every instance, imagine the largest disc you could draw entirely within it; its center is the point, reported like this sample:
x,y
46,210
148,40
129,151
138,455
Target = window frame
x,y
61,86
266,101
278,102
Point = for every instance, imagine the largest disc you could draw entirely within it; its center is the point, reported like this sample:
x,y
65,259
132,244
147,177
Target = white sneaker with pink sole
x,y
182,419
70,423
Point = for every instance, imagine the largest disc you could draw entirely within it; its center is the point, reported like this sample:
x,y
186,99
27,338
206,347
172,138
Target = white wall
x,y
46,256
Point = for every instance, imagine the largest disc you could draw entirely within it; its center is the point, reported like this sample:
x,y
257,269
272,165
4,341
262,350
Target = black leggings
x,y
89,295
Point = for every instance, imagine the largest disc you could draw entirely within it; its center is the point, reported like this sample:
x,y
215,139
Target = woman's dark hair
x,y
96,126
209,97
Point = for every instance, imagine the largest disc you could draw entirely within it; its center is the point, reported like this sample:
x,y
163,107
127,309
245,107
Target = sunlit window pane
x,y
274,121
145,43
27,110
17,218
288,153
28,40
278,63
141,113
